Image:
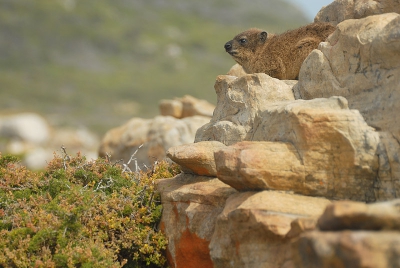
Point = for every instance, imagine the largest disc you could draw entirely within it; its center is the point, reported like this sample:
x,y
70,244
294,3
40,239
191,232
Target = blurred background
x,y
98,63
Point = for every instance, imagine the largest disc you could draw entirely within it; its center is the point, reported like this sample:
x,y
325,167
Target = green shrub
x,y
80,213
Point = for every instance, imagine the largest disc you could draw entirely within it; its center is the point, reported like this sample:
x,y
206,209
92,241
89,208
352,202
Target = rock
x,y
260,165
251,230
343,215
186,107
236,70
301,225
197,158
359,61
238,102
340,10
193,106
191,205
172,108
328,151
361,249
30,136
37,158
27,127
153,136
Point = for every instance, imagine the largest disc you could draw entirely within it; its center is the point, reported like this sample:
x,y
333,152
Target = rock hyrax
x,y
279,56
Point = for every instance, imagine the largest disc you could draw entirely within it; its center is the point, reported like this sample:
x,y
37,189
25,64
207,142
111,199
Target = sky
x,y
311,7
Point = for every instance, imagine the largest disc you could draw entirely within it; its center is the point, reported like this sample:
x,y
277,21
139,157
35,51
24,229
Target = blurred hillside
x,y
98,63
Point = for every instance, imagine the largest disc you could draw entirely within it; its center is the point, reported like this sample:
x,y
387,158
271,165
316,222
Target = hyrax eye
x,y
243,41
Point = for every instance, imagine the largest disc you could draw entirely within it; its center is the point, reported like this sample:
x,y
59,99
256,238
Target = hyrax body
x,y
279,56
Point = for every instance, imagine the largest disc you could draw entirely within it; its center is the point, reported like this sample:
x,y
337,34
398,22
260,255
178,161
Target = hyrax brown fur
x,y
279,56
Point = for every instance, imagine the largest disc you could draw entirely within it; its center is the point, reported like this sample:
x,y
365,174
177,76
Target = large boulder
x,y
316,147
360,61
147,140
27,127
191,205
239,101
35,140
252,229
340,10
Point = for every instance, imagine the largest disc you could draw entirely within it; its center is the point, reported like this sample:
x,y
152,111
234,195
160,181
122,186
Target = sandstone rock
x,y
387,184
301,225
340,10
251,230
236,70
27,127
361,249
260,165
156,135
191,205
343,215
238,102
329,151
359,61
186,107
172,108
197,158
193,106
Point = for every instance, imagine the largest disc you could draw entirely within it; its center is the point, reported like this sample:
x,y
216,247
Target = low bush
x,y
80,213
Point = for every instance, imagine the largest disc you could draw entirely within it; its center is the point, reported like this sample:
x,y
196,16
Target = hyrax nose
x,y
228,46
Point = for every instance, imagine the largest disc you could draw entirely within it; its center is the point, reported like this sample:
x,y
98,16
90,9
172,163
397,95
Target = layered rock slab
x,y
328,151
252,229
197,158
191,205
239,101
360,61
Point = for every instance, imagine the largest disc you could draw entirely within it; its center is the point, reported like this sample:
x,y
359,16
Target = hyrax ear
x,y
263,36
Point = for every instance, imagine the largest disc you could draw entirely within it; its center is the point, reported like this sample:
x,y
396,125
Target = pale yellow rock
x,y
197,158
260,165
251,230
238,102
149,138
237,71
192,106
186,106
340,10
360,61
329,151
172,108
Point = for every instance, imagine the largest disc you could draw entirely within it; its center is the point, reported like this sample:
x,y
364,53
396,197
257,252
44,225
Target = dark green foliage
x,y
80,214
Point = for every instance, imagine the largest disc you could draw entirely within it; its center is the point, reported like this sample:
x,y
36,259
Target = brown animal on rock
x,y
279,56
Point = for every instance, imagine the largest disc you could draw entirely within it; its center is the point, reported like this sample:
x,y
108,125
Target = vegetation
x,y
98,63
80,214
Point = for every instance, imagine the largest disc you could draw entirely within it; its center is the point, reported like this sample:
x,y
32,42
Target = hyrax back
x,y
279,56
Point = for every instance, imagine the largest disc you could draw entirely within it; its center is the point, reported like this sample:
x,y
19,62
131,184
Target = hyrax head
x,y
243,46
